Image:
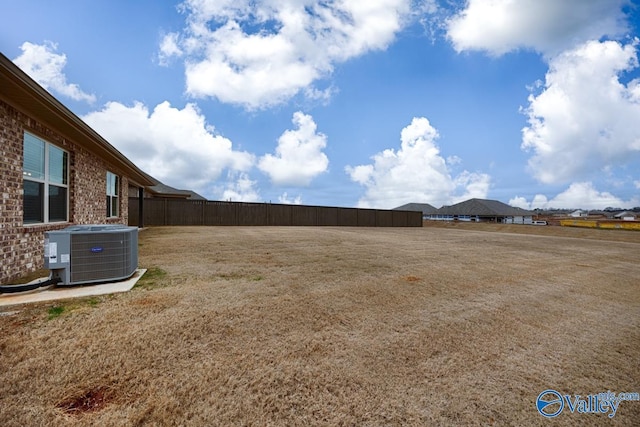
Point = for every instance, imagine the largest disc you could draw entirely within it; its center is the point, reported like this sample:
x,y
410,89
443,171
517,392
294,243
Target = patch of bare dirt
x,y
90,401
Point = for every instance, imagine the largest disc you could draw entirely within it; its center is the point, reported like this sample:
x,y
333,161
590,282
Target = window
x,y
45,181
113,184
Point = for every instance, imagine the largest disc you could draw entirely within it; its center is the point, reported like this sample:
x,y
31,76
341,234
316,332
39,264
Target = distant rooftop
x,y
163,190
425,208
483,207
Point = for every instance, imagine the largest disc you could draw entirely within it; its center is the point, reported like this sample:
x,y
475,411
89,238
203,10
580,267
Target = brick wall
x,y
11,190
22,247
88,201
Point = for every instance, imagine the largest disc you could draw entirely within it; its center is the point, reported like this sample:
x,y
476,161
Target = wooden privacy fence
x,y
163,211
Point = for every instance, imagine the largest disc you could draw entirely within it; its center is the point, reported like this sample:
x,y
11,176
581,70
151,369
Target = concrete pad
x,y
65,292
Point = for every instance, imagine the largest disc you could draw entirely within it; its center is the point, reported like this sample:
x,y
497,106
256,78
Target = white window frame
x,y
110,196
46,181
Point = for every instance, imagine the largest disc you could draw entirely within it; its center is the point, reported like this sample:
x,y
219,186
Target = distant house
x,y
159,189
483,210
157,197
626,216
425,208
55,171
578,213
597,213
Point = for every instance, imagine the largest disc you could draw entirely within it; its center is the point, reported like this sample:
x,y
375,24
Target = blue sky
x,y
374,104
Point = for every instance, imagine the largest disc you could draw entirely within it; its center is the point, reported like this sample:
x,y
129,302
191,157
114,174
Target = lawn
x,y
441,325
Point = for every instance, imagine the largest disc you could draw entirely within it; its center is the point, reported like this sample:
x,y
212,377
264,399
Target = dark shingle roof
x,y
425,208
483,207
163,190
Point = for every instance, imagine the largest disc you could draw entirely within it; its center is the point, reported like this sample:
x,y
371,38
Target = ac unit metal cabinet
x,y
83,254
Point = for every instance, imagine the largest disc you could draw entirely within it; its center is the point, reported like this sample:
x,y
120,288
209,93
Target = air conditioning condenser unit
x,y
85,254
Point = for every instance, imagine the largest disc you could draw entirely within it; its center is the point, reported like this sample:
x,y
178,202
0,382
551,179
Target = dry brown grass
x,y
337,326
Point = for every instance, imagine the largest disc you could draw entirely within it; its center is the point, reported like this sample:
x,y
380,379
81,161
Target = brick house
x,y
55,171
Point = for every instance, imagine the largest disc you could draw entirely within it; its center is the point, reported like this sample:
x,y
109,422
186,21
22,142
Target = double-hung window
x,y
45,180
113,184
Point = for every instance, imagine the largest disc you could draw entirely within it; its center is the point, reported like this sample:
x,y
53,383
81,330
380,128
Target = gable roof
x,y
425,208
483,207
25,95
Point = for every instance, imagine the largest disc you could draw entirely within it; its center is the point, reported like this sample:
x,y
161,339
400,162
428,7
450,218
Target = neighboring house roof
x,y
25,95
194,196
160,189
483,207
425,208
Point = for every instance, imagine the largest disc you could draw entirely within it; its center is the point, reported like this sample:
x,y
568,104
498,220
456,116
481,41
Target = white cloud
x,y
44,65
454,160
547,26
581,195
539,201
520,202
299,157
284,199
260,53
585,120
415,173
637,184
322,96
175,146
474,186
169,47
240,188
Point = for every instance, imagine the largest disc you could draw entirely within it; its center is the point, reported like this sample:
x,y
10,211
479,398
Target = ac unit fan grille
x,y
100,256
